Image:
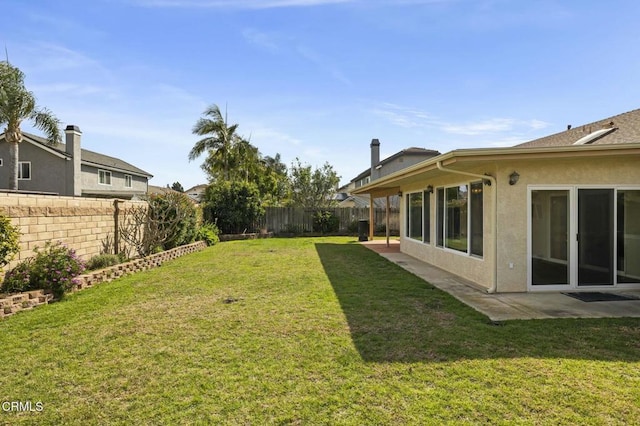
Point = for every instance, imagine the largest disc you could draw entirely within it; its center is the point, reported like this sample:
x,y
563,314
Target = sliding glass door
x,y
584,237
550,237
595,237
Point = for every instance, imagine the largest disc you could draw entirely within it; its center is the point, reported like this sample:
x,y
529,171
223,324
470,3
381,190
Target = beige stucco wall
x,y
512,212
513,208
473,268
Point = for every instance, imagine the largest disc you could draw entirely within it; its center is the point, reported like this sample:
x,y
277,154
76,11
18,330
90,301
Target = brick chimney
x,y
72,147
375,158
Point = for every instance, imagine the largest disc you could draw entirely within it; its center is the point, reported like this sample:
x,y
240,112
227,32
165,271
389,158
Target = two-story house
x,y
67,169
379,168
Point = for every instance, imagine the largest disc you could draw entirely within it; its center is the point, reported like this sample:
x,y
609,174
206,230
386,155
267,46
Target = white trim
x,y
106,173
573,284
434,237
44,147
130,185
20,163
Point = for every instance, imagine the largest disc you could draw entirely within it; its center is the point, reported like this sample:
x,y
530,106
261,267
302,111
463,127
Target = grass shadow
x,y
395,316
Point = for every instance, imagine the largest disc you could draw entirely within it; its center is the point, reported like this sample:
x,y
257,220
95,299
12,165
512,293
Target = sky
x,y
318,79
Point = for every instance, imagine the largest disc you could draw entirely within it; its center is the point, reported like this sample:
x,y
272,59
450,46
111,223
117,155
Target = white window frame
x,y
573,243
20,174
408,217
435,237
104,173
128,181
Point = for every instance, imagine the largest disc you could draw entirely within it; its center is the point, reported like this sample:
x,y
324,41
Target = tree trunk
x,y
13,166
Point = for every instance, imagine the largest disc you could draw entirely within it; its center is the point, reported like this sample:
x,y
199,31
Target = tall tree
x,y
274,182
16,105
176,186
313,188
218,141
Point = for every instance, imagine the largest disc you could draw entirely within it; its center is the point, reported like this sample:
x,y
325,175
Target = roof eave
x,y
497,154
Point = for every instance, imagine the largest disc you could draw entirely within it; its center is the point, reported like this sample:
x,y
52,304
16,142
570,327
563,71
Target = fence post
x,y
116,226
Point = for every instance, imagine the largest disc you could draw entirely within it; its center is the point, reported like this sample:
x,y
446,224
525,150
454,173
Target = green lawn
x,y
318,331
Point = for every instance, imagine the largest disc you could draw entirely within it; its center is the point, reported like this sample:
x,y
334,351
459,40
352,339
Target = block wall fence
x,y
81,223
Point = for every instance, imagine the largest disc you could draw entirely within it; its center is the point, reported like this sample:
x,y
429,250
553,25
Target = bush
x,y
177,213
352,228
9,240
208,233
325,222
234,206
53,268
102,261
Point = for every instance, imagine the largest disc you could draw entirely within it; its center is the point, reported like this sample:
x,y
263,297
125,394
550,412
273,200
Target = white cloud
x,y
238,4
260,39
492,125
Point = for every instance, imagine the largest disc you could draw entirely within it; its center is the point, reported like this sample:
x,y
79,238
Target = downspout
x,y
494,183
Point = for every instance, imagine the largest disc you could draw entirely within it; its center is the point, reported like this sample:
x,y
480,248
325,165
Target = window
x,y
24,170
456,226
104,177
0,162
628,234
426,237
477,218
127,181
440,217
414,215
459,218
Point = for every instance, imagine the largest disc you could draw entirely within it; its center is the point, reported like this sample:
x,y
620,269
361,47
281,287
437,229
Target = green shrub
x,y
352,228
102,261
52,268
176,216
18,279
9,240
208,233
325,222
234,206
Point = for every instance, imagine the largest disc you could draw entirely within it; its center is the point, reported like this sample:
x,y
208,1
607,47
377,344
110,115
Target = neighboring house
x,y
197,192
398,161
159,190
67,169
560,213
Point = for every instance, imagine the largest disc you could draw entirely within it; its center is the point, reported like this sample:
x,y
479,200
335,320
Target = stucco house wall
x,y
48,171
91,183
513,206
476,269
67,169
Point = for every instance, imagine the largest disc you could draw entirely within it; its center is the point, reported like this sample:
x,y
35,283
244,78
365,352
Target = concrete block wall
x,y
81,223
13,303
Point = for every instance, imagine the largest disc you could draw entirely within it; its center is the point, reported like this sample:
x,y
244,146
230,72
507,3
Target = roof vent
x,y
593,136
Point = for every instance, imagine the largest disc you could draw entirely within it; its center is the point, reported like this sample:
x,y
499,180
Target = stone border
x,y
251,236
17,302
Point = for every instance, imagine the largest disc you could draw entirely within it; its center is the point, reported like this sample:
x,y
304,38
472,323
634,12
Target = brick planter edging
x,y
13,303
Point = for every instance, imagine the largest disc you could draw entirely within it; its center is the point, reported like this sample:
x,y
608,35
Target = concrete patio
x,y
507,306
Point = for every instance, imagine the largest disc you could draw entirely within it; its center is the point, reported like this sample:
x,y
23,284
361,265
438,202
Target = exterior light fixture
x,y
430,189
487,182
513,178
399,193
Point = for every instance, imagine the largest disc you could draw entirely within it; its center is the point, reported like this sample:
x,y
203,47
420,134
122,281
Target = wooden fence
x,y
298,220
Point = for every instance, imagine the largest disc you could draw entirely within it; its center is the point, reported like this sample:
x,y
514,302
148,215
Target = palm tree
x,y
219,139
16,105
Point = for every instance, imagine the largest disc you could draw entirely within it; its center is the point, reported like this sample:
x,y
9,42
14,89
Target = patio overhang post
x,y
387,221
494,184
370,216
